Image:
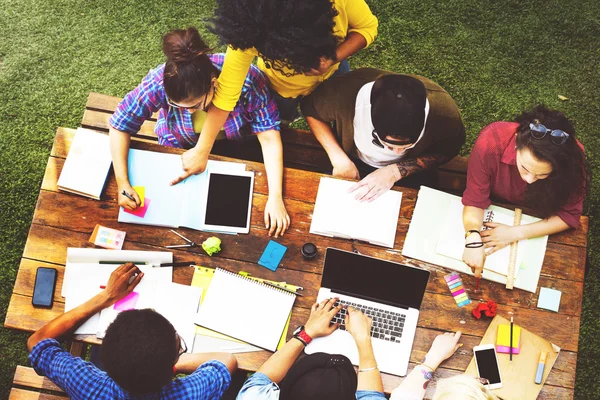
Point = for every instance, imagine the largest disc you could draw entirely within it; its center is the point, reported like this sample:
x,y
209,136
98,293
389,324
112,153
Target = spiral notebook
x,y
451,242
245,309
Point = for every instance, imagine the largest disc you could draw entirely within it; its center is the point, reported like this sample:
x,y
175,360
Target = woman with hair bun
x,y
299,44
535,162
181,91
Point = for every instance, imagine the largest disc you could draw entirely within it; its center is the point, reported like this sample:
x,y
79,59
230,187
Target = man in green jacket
x,y
388,127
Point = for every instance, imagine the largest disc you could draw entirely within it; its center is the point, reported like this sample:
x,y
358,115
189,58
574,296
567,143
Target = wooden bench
x,y
28,385
301,150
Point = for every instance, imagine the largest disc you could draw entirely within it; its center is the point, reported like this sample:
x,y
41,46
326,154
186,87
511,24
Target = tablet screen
x,y
227,202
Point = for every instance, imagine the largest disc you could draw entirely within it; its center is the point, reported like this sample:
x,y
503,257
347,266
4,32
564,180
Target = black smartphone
x,y
43,290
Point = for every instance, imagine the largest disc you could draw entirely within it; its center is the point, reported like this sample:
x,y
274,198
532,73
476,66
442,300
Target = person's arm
x,y
474,257
359,326
318,325
352,44
119,149
342,165
228,91
118,287
415,384
188,363
498,236
277,219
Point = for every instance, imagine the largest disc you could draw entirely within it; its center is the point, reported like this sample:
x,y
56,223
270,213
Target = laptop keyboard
x,y
387,325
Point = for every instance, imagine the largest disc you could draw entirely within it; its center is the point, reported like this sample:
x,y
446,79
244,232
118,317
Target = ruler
x,y
512,262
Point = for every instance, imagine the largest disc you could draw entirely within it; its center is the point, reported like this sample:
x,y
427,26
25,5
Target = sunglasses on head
x,y
539,131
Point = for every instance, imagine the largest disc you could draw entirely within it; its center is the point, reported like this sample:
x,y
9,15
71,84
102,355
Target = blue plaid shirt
x,y
82,380
174,126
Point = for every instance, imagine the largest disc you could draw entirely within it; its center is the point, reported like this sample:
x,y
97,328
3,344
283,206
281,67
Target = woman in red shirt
x,y
535,162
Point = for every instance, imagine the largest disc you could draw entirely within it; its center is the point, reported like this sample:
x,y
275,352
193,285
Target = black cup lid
x,y
309,249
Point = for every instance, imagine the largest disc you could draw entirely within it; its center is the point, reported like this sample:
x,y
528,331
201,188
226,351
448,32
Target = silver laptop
x,y
388,292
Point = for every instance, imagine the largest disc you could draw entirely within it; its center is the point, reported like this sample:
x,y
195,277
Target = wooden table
x,y
64,220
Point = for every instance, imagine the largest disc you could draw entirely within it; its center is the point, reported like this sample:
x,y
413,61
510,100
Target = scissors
x,y
179,246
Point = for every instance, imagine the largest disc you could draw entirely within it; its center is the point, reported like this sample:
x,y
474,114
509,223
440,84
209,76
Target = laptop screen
x,y
374,279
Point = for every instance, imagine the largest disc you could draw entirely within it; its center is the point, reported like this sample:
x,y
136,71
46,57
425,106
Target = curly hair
x,y
288,34
570,176
188,70
139,351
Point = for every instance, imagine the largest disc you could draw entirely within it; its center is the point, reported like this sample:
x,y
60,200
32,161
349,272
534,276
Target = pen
x,y
122,262
177,264
511,337
130,197
477,285
539,374
281,288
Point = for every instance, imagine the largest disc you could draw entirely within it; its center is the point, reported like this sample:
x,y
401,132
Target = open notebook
x,y
451,242
245,309
338,214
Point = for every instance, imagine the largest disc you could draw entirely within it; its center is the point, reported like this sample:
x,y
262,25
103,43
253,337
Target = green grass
x,y
495,58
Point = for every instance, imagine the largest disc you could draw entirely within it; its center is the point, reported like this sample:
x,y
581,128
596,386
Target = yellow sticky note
x,y
503,338
141,191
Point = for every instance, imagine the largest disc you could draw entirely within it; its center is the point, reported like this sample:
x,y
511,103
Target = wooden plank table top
x,y
64,220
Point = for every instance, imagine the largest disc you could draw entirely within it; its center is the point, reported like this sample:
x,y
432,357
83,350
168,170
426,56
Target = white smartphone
x,y
486,361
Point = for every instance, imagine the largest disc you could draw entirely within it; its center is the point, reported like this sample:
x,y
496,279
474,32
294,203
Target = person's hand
x,y
122,281
126,202
193,163
474,257
277,219
321,314
497,236
345,168
358,324
375,184
443,347
324,66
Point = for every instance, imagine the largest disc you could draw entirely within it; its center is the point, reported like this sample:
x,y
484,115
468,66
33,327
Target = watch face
x,y
298,330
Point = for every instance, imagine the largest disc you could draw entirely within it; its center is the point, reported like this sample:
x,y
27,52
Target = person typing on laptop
x,y
319,376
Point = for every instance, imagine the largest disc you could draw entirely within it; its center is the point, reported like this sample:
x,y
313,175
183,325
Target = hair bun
x,y
183,46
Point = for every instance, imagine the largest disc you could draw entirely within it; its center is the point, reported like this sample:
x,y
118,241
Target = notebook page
x,y
87,164
451,242
244,309
338,213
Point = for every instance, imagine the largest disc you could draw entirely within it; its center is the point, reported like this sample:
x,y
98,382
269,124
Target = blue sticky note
x,y
272,255
549,299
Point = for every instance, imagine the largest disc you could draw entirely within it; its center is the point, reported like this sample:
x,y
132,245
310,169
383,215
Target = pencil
x,y
511,337
477,285
178,264
130,197
122,262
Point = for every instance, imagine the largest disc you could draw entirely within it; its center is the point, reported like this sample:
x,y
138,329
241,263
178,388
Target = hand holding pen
x,y
128,197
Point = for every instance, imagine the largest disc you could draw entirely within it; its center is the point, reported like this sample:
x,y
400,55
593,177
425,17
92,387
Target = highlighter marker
x,y
540,369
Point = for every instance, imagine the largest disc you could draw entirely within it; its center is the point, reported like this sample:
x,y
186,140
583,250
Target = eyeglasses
x,y
182,346
379,143
539,131
195,106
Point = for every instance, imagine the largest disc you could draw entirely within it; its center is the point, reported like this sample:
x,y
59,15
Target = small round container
x,y
309,251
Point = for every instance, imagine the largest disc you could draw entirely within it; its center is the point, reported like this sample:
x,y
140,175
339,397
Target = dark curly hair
x,y
139,351
570,176
188,70
292,34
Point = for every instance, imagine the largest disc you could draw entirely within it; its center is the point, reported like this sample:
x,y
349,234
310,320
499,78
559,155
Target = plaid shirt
x,y
174,126
82,380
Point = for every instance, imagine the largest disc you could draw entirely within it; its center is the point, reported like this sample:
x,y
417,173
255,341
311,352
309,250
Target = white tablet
x,y
229,201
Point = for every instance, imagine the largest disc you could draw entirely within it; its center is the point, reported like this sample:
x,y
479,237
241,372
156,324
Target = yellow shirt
x,y
353,16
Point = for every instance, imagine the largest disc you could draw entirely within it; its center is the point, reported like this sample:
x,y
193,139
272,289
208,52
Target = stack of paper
x,y
87,164
85,277
337,213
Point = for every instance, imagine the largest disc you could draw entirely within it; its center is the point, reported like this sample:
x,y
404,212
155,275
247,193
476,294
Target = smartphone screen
x,y
43,290
487,365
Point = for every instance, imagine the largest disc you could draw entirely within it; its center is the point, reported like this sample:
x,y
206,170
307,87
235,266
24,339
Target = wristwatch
x,y
302,336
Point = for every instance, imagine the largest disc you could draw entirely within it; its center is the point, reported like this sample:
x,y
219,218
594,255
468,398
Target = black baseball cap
x,y
320,376
398,108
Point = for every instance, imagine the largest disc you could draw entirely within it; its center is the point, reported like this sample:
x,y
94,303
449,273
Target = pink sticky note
x,y
140,211
128,302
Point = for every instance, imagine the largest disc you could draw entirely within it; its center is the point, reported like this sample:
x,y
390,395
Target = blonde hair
x,y
462,387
